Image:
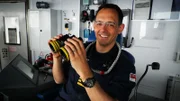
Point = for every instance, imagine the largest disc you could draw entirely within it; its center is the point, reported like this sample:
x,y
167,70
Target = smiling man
x,y
101,71
107,26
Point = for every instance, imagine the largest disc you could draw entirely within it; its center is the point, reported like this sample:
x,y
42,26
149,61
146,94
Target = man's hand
x,y
77,54
57,70
78,61
58,54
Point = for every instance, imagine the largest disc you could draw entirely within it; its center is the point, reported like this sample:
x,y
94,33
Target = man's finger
x,y
79,42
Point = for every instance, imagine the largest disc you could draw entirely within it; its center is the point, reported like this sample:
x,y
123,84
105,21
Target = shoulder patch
x,y
132,77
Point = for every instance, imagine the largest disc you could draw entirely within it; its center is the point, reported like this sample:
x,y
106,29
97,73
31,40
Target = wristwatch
x,y
89,82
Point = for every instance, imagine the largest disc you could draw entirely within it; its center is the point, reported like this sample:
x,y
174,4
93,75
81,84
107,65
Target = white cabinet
x,y
42,26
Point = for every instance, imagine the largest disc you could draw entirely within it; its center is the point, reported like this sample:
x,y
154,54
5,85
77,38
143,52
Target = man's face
x,y
106,27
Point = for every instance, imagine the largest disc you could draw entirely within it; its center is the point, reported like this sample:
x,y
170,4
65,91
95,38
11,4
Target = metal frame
x,y
7,35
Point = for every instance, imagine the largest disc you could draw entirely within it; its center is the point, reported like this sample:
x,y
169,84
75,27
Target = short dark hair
x,y
115,7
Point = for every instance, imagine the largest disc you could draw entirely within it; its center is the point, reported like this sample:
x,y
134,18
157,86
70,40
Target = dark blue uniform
x,y
117,83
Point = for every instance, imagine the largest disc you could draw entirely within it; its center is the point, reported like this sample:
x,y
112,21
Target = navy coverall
x,y
117,83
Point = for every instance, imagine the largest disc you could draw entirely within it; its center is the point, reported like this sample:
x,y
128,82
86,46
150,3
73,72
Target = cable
x,y
155,66
137,85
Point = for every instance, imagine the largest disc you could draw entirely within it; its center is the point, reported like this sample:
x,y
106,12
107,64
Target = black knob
x,y
155,66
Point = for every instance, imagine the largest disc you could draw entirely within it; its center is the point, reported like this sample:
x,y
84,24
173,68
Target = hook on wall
x,y
73,13
87,7
64,13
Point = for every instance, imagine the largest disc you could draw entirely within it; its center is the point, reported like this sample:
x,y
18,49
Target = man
x,y
101,72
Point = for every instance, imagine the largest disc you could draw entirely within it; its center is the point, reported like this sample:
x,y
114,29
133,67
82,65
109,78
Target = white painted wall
x,y
145,51
65,8
163,51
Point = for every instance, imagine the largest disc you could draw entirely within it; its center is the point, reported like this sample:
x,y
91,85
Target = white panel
x,y
42,32
34,38
33,18
161,9
73,18
34,29
45,29
163,51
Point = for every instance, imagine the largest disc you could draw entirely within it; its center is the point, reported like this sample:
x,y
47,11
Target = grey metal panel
x,y
175,90
13,10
